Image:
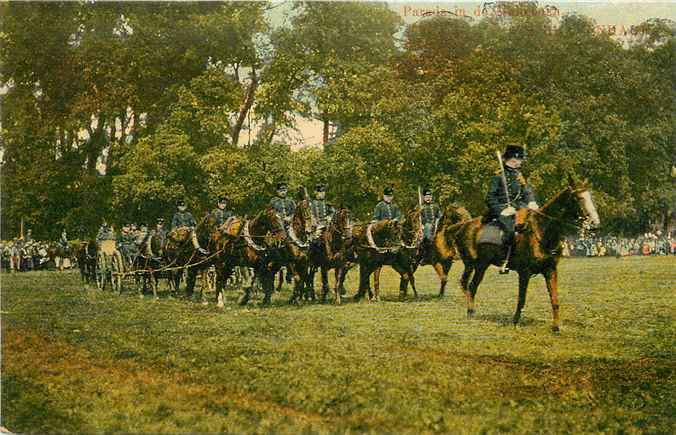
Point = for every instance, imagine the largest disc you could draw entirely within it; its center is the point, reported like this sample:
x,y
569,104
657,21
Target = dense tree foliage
x,y
120,109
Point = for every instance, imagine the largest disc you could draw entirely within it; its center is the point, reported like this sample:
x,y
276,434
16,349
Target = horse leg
x,y
190,282
474,287
268,283
364,281
442,268
336,289
325,284
551,278
524,278
464,280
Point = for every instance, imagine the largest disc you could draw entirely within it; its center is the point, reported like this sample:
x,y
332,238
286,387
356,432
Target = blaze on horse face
x,y
587,209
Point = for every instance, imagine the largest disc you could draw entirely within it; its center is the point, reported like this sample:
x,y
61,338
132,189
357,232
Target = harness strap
x,y
372,243
247,237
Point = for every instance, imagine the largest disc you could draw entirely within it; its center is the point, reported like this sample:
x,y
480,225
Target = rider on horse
x,y
183,218
503,207
285,207
387,209
220,214
430,214
106,232
322,212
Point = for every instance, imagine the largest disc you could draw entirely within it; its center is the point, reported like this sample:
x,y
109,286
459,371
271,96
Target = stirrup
x,y
504,270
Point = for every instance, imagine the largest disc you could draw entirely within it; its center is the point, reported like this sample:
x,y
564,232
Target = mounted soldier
x,y
387,208
322,212
63,241
106,232
220,214
430,213
183,218
508,193
285,207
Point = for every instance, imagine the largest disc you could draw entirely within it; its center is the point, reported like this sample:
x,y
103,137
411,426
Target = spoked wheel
x,y
116,271
101,271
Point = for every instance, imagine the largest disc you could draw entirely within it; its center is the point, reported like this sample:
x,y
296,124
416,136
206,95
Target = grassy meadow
x,y
78,360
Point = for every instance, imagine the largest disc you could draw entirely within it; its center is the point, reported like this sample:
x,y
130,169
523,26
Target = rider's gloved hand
x,y
508,211
533,205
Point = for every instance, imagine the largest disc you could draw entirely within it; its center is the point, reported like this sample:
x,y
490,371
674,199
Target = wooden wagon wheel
x,y
116,271
101,270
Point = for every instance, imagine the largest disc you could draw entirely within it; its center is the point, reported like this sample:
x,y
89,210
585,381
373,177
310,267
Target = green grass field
x,y
76,360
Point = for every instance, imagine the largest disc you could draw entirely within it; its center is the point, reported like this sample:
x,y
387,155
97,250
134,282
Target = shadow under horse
x,y
181,256
257,243
537,248
334,249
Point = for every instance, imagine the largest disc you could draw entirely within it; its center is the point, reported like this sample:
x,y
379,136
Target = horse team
x,y
263,243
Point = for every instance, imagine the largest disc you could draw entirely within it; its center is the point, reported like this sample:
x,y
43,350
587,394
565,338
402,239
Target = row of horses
x,y
266,245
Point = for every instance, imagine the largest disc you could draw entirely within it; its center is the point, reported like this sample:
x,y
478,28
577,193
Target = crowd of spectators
x,y
647,244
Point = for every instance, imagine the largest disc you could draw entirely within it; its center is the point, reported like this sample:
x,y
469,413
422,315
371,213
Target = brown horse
x,y
181,256
299,233
257,243
332,250
86,260
442,251
391,243
538,245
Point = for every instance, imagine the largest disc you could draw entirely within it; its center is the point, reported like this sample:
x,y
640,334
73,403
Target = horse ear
x,y
572,181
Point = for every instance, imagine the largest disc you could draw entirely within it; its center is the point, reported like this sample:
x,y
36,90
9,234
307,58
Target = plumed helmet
x,y
514,151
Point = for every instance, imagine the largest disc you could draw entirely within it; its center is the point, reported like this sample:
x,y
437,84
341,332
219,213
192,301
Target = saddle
x,y
491,233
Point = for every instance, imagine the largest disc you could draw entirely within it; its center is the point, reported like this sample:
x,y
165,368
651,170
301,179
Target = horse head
x,y
574,205
302,218
455,213
342,223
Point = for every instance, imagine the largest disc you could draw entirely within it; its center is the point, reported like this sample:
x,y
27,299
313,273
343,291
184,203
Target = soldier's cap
x,y
160,220
426,191
320,187
281,185
514,151
222,199
388,191
180,203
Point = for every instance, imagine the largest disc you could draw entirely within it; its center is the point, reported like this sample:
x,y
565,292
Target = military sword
x,y
504,179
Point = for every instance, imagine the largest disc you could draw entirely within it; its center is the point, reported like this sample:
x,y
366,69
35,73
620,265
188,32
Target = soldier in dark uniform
x,y
387,209
161,231
284,206
322,212
429,217
106,232
183,218
63,241
503,206
221,213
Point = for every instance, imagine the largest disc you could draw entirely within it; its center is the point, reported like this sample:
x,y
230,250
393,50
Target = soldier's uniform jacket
x,y
321,211
520,193
63,241
161,233
183,219
430,213
220,216
285,207
105,233
385,211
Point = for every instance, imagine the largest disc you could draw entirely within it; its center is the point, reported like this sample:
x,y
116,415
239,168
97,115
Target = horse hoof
x,y
556,329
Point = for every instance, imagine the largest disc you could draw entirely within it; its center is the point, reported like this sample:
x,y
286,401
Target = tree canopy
x,y
120,109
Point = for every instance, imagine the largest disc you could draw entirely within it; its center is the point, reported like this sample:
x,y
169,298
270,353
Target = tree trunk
x,y
325,133
244,109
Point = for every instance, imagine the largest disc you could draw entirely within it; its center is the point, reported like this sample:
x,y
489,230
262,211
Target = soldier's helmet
x,y
388,191
514,151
